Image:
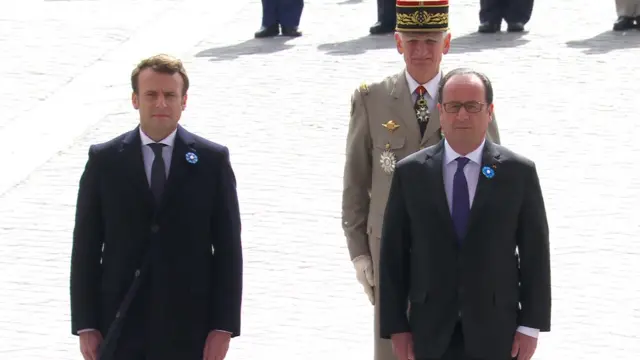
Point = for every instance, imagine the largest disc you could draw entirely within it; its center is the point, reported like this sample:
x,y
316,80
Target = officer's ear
x,y
399,44
447,42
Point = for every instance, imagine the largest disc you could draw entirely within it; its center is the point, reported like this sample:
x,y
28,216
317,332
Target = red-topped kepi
x,y
422,16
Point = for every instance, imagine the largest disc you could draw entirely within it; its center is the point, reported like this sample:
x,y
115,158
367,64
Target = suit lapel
x,y
132,158
434,165
402,106
491,159
180,167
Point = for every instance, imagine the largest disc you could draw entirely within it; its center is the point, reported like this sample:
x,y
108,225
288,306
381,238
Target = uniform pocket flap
x,y
390,143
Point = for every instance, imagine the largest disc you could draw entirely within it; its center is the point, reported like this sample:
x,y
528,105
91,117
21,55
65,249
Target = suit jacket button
x,y
155,228
137,273
118,314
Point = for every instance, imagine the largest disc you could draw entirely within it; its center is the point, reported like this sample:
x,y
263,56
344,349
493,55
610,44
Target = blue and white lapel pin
x,y
488,172
192,158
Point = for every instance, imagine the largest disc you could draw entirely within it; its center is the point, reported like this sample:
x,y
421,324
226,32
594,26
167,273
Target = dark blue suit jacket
x,y
193,283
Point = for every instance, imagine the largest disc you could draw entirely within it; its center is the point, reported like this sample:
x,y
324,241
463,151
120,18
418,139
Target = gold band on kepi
x,y
422,16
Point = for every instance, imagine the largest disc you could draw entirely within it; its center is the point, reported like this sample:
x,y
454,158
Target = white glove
x,y
364,274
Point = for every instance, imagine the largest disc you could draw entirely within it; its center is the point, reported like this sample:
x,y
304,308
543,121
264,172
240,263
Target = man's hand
x,y
403,346
523,346
364,274
217,345
89,343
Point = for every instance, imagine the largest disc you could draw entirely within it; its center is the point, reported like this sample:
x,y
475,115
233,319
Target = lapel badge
x,y
191,158
488,172
391,125
388,160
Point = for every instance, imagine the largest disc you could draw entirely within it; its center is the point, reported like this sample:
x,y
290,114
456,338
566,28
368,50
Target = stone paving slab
x,y
565,95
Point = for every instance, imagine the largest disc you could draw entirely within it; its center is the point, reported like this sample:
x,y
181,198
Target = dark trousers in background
x,y
286,13
512,11
387,12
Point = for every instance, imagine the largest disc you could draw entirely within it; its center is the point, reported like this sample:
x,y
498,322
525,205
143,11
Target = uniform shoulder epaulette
x,y
364,88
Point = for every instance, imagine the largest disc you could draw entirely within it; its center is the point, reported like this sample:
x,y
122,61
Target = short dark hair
x,y
488,88
161,63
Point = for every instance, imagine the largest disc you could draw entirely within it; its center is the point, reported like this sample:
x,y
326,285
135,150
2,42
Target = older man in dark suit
x,y
465,241
156,265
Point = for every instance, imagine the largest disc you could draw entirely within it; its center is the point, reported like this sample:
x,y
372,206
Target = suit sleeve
x,y
357,179
394,262
533,250
227,267
493,134
86,252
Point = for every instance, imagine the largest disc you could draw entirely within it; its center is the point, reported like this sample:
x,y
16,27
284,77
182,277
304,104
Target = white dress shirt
x,y
431,86
148,156
471,173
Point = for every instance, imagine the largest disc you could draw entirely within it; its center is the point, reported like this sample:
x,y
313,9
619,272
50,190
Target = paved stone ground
x,y
565,97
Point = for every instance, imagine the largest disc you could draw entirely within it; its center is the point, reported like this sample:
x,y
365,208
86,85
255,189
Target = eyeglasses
x,y
454,107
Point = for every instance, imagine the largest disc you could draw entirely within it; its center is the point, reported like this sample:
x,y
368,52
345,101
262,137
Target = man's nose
x,y
422,49
463,114
161,101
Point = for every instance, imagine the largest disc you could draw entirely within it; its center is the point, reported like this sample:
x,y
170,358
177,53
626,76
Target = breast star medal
x,y
388,160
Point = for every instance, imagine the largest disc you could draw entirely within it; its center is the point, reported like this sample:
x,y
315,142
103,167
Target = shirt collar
x,y
451,155
431,85
169,140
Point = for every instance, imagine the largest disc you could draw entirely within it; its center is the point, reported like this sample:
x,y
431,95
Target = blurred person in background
x,y
386,23
516,13
628,15
280,17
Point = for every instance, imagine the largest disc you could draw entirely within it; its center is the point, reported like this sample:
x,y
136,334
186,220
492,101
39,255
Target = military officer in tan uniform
x,y
391,119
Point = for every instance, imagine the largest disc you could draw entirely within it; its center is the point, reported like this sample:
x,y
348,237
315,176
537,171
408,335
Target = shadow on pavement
x,y
350,2
476,42
359,46
607,41
249,47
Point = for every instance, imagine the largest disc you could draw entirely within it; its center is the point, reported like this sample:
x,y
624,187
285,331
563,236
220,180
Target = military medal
x,y
422,109
391,125
388,160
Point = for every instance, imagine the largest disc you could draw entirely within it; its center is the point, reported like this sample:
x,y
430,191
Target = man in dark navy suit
x,y
465,241
280,17
156,265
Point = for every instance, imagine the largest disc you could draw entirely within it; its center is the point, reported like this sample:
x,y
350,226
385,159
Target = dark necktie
x,y
460,203
158,171
422,109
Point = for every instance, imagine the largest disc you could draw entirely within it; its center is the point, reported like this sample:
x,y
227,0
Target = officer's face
x,y
423,52
464,114
159,101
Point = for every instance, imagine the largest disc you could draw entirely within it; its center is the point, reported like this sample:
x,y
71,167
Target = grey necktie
x,y
158,171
